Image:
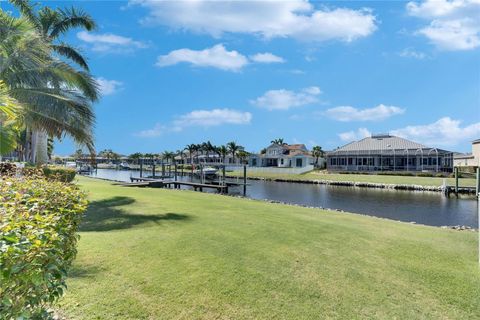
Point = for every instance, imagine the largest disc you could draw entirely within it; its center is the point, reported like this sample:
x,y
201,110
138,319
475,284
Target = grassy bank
x,y
166,254
370,178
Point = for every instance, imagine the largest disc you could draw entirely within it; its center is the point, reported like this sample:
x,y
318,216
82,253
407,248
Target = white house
x,y
283,156
469,159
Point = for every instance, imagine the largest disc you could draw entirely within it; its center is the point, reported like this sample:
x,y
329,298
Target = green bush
x,y
7,169
59,173
38,223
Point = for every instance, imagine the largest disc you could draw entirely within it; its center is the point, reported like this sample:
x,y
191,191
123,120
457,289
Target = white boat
x,y
124,166
207,171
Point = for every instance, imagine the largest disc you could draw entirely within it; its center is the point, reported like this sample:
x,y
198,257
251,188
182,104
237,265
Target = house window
x,y
299,162
254,162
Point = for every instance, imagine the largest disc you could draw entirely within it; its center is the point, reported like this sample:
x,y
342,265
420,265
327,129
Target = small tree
x,y
317,152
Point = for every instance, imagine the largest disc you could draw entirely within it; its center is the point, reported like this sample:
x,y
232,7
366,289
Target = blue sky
x,y
319,73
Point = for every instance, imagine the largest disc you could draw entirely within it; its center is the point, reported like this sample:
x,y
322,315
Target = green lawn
x,y
388,179
167,254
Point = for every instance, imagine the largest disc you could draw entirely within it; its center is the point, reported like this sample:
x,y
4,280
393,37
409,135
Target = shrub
x,y
425,174
38,224
59,173
7,169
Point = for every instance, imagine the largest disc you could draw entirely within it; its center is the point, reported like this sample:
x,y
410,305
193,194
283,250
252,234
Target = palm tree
x,y
168,155
233,148
242,155
63,88
278,141
317,152
9,109
135,157
52,24
78,154
222,152
191,148
181,154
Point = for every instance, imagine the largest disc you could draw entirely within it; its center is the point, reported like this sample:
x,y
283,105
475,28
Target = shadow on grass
x,y
106,215
82,271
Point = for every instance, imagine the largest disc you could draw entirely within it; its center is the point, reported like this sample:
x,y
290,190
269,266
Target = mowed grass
x,y
167,254
372,178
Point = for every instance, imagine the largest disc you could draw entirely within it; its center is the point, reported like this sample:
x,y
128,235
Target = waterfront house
x,y
468,159
384,152
283,156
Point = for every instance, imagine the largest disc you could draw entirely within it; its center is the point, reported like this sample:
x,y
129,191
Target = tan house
x,y
469,159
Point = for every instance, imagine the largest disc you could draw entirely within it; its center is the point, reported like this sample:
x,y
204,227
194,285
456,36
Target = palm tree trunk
x,y
41,151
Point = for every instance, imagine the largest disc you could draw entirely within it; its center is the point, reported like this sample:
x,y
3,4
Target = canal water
x,y
430,208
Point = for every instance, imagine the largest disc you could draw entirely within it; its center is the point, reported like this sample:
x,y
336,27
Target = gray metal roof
x,y
382,142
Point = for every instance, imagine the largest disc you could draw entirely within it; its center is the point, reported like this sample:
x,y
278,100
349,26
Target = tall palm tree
x,y
60,76
168,155
191,148
233,148
222,152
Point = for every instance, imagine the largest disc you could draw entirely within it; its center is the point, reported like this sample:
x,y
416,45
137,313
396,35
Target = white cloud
x,y
200,118
378,113
443,132
216,57
108,87
411,53
270,19
156,131
215,117
285,99
454,25
355,135
462,34
266,57
109,42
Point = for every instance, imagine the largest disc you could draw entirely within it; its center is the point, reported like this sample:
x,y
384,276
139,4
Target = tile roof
x,y
381,142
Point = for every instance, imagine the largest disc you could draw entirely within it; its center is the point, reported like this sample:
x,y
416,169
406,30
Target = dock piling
x,y
244,180
456,180
477,183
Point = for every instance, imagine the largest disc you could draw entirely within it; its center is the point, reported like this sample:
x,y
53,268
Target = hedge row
x,y
59,173
38,223
50,172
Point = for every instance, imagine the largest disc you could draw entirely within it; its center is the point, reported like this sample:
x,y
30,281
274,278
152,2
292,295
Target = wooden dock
x,y
155,183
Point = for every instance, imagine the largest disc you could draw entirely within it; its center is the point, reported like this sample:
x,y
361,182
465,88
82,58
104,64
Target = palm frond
x,y
27,9
72,18
71,53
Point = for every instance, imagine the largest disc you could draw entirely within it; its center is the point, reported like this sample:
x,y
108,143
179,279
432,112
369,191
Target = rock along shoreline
x,y
373,185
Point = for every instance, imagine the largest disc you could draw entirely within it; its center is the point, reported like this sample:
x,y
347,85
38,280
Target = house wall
x,y
389,163
473,161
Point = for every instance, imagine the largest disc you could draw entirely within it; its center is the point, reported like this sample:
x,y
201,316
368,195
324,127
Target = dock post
x,y
201,175
244,180
175,171
477,183
141,168
223,179
163,170
456,181
153,170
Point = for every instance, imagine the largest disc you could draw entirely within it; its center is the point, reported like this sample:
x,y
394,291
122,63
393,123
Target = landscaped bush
x,y
7,169
59,173
38,223
425,174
